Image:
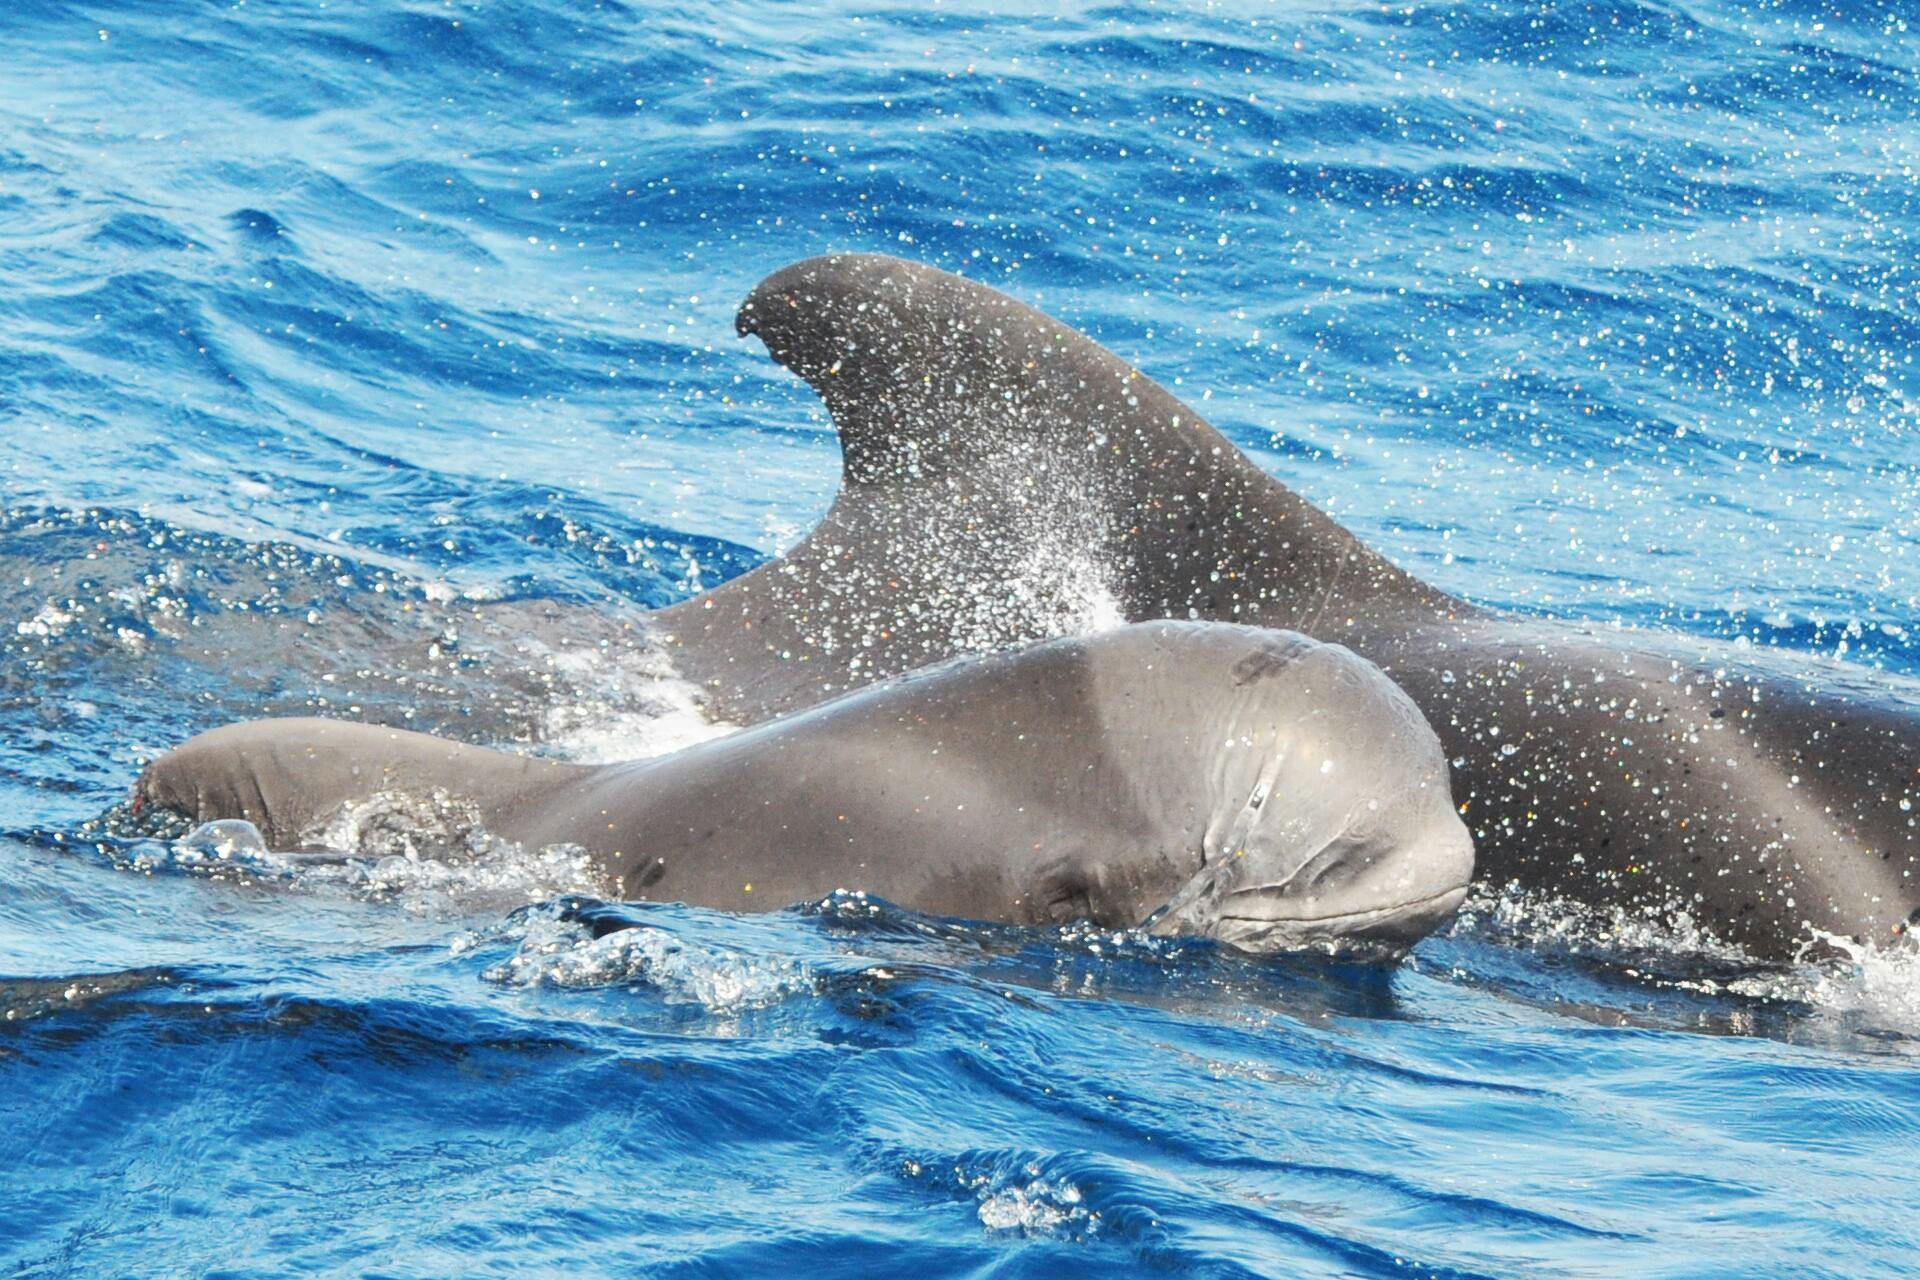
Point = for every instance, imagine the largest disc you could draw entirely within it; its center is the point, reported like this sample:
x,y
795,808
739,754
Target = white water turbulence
x,y
625,705
1838,988
428,855
557,952
429,851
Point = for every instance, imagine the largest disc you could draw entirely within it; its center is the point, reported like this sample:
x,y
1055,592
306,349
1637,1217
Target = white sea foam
x,y
230,845
558,953
225,838
625,705
1871,988
1033,1210
398,824
513,875
1032,1205
430,852
1537,920
1851,986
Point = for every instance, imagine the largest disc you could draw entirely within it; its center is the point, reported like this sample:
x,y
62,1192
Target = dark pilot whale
x,y
1256,787
1006,478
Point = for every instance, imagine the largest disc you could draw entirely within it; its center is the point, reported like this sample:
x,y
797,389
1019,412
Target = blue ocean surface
x,y
376,359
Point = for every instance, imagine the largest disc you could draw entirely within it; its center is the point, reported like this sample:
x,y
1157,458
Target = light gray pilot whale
x,y
1248,785
1005,478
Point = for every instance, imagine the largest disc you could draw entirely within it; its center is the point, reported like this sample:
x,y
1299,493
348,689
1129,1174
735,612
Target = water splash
x,y
626,705
1840,990
555,950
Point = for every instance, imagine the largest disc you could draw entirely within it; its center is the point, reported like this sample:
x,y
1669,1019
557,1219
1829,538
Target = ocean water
x,y
377,360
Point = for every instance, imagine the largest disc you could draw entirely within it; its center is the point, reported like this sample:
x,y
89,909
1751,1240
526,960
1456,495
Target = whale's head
x,y
1337,829
1378,885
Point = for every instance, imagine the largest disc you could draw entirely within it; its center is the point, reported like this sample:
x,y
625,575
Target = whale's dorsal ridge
x,y
1006,479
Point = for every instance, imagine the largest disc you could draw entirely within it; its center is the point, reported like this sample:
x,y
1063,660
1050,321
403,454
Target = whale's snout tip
x,y
1377,933
1365,898
154,788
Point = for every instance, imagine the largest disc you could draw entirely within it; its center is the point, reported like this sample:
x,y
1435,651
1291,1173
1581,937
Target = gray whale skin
x,y
1197,778
992,454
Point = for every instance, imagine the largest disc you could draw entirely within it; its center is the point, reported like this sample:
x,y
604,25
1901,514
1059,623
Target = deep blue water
x,y
377,359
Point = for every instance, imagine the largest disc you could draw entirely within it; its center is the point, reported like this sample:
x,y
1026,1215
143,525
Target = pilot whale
x,y
1248,785
1006,478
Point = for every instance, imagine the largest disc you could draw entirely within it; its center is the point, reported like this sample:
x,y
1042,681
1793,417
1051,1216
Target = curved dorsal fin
x,y
923,370
1006,478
